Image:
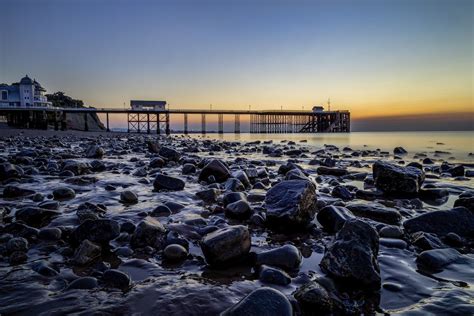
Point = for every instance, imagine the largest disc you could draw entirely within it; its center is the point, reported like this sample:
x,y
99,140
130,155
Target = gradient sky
x,y
378,59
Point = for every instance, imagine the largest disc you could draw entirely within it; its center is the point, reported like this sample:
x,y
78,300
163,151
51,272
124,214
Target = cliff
x,y
76,121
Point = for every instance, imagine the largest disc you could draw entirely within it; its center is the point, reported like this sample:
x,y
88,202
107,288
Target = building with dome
x,y
26,93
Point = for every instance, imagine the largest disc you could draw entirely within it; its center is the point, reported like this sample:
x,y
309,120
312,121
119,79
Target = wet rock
x,y
78,168
50,205
175,252
231,197
238,210
150,232
35,216
426,241
86,253
393,243
17,257
391,232
21,230
459,220
215,168
287,257
353,255
99,231
188,169
161,211
164,182
128,197
456,171
434,195
157,163
273,275
437,259
209,195
314,299
45,268
338,172
379,214
50,233
342,192
117,279
17,244
10,171
467,202
64,193
169,153
399,151
234,185
394,179
332,217
153,146
264,301
12,191
84,283
242,177
227,245
95,151
291,203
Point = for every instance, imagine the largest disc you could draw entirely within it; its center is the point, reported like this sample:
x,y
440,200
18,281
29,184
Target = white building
x,y
148,105
24,94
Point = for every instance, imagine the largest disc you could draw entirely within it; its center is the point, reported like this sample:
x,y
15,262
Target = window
x,y
4,95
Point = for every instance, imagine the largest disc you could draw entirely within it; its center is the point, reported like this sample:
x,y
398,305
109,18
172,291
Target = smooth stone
x,y
437,259
164,182
426,241
169,153
188,169
238,210
215,168
10,171
332,217
209,195
50,233
99,231
342,192
157,163
86,253
467,202
84,283
287,257
264,301
175,252
391,232
128,197
376,213
393,243
150,232
12,191
399,151
64,193
117,279
17,244
45,268
231,197
226,245
95,151
273,275
314,299
338,172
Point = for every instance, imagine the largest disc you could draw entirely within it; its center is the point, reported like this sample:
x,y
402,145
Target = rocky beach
x,y
120,224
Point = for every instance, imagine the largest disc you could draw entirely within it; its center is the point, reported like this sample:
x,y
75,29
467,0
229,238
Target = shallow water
x,y
191,287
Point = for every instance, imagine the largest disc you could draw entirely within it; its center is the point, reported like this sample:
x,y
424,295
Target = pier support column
x,y
237,124
221,123
107,120
63,121
148,123
185,123
203,123
86,125
168,131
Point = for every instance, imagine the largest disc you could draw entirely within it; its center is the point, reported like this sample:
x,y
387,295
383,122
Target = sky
x,y
403,65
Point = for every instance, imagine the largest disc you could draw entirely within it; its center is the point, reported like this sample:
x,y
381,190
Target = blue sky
x,y
375,58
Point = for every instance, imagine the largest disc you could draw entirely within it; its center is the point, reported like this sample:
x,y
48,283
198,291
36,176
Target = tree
x,y
59,99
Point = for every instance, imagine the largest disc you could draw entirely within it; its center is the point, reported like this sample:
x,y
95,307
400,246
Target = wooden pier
x,y
158,122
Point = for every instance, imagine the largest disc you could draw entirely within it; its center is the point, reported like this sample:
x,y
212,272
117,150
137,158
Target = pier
x,y
158,122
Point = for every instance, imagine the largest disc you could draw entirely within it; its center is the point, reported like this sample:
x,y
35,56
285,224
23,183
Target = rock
x,y
399,151
231,197
342,192
426,241
64,193
128,197
153,146
215,168
10,171
273,275
242,177
99,231
95,151
437,259
12,191
157,163
291,203
86,253
314,299
17,244
169,153
238,210
391,232
45,268
78,168
50,233
175,252
393,243
84,283
226,245
287,257
160,211
459,220
332,217
164,182
456,171
379,214
17,257
264,301
352,257
393,179
234,185
438,196
150,232
188,168
35,216
338,172
117,279
467,202
209,195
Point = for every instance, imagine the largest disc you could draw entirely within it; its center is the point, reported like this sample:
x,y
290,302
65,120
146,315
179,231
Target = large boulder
x,y
264,301
291,203
352,258
393,179
99,231
215,168
164,182
459,220
226,245
150,232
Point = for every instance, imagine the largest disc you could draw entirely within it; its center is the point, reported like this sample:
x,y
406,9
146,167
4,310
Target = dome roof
x,y
26,80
